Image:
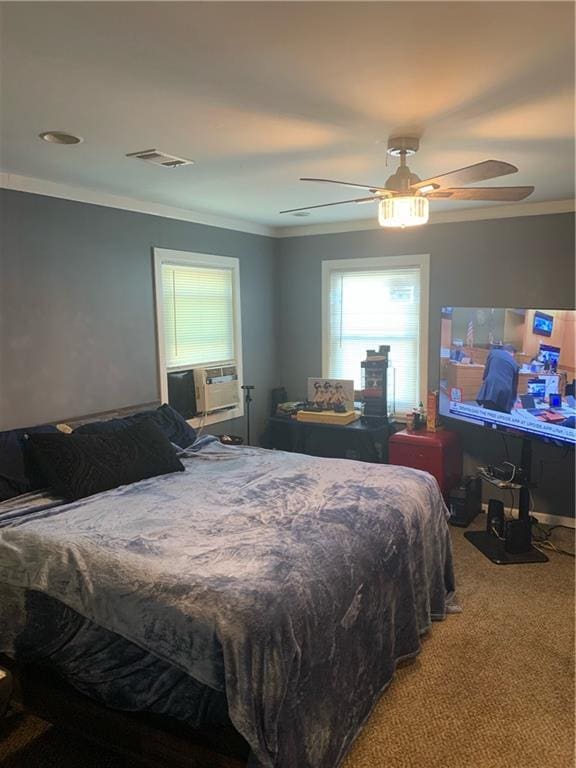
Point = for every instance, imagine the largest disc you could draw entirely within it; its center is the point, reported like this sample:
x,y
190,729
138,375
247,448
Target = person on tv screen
x,y
499,388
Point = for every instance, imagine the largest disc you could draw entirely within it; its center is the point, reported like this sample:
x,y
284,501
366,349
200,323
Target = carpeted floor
x,y
492,688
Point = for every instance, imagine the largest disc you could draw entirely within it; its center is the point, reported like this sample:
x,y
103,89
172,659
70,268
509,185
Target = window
x,y
198,315
369,302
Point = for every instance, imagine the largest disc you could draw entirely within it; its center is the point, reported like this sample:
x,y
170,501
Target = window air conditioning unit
x,y
216,388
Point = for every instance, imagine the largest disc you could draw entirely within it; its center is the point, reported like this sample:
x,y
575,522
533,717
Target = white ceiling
x,y
259,94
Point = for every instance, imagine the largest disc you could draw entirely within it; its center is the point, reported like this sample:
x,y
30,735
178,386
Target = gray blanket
x,y
292,583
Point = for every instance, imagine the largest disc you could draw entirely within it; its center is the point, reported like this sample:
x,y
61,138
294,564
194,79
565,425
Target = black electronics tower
x,y
375,383
465,501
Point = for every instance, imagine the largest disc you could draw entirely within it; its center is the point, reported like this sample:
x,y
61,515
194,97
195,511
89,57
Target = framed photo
x,y
329,393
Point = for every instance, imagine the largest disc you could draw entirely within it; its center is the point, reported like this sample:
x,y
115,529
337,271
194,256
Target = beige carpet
x,y
494,685
492,688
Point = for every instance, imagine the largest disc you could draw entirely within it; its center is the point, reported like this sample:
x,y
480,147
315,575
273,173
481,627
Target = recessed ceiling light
x,y
59,137
302,213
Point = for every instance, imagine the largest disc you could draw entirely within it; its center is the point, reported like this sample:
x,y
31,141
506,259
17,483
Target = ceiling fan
x,y
403,200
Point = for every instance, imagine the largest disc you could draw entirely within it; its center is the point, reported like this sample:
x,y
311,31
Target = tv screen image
x,y
550,355
543,324
537,388
495,371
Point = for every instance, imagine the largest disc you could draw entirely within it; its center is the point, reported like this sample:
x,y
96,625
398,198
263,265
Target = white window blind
x,y
367,308
198,315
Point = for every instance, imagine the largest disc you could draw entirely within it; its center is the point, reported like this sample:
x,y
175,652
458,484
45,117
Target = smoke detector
x,y
163,159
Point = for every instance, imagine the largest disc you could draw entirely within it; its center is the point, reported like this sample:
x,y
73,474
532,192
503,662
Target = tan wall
x,y
514,328
568,353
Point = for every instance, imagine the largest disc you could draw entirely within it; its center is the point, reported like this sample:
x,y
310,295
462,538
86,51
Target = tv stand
x,y
496,548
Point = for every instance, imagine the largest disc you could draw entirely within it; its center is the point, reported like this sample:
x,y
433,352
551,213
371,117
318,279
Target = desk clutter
x,y
308,412
327,423
336,401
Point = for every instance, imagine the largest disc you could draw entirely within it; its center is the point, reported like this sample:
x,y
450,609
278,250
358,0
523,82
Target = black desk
x,y
366,442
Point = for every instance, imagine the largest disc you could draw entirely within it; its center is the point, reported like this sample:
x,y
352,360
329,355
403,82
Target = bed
x,y
270,590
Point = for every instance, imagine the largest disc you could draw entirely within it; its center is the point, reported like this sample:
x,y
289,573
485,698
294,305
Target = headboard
x,y
119,413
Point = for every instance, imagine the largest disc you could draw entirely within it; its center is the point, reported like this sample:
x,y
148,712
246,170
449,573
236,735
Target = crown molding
x,y
512,210
84,195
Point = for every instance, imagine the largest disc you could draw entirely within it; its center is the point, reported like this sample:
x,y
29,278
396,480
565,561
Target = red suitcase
x,y
438,453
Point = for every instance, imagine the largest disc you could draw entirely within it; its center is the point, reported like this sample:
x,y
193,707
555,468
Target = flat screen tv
x,y
495,371
550,355
543,324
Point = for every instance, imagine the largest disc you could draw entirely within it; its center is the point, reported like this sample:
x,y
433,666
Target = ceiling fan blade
x,y
327,205
348,184
488,169
481,193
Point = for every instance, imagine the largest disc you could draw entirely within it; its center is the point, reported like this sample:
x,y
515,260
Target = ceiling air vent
x,y
156,157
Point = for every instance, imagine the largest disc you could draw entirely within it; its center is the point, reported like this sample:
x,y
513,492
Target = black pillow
x,y
15,475
81,465
172,424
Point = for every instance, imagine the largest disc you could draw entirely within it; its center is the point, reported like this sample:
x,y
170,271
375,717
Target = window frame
x,y
379,263
212,261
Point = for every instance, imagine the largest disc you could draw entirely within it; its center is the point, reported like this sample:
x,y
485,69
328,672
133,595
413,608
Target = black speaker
x,y
495,518
181,393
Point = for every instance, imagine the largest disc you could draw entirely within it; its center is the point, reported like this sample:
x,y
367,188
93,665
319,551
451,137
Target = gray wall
x,y
77,307
524,262
77,322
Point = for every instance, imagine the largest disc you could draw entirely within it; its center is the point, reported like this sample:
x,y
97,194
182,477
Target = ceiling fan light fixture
x,y
403,211
403,201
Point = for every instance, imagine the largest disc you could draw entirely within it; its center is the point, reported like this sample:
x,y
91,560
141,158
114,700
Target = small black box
x,y
465,501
